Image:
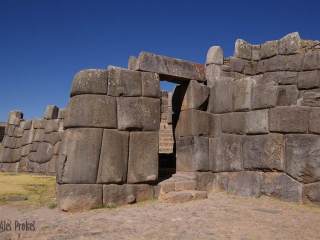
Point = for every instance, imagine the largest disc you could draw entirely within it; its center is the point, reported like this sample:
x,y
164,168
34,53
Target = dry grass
x,y
27,189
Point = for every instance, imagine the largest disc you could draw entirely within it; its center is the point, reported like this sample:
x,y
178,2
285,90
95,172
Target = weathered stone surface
x,y
136,113
73,197
280,185
234,122
150,84
25,150
290,44
244,183
311,98
308,79
9,131
215,128
242,49
123,82
10,142
237,64
51,126
250,68
43,154
269,49
90,81
242,94
303,157
282,78
52,138
204,181
215,55
192,123
289,119
264,95
192,154
38,123
38,135
51,112
81,146
257,122
61,113
143,157
263,152
91,111
256,52
314,120
170,68
220,100
213,74
311,60
225,153
311,193
15,118
9,155
287,95
281,63
114,157
27,125
194,97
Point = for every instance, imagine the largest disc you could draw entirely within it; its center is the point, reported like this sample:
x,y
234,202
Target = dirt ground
x,y
222,216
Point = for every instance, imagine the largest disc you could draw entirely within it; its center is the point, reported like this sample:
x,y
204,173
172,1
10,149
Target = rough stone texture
x,y
170,68
308,79
314,120
281,63
143,157
195,96
280,185
90,81
91,111
234,122
287,95
303,157
114,157
225,153
150,84
263,152
74,197
215,55
269,49
242,49
51,126
9,155
51,112
221,97
257,122
81,146
289,119
311,60
311,98
244,183
256,52
43,154
192,123
15,117
136,113
264,95
237,64
290,44
311,193
213,74
192,154
242,94
282,78
123,82
116,195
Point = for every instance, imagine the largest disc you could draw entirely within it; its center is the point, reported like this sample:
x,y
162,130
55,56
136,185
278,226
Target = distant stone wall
x,y
32,145
2,130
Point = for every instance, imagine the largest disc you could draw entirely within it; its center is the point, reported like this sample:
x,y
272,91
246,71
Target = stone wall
x,y
2,130
32,145
265,105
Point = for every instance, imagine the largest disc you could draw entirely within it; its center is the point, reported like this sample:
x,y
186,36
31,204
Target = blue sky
x,y
44,43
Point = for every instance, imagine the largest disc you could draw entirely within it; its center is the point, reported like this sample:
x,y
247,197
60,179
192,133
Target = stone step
x,y
183,196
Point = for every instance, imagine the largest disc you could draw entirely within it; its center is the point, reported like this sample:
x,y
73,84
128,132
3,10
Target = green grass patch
x,y
35,190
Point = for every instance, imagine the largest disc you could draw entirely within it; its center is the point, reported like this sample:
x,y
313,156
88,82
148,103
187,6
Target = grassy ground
x,y
27,189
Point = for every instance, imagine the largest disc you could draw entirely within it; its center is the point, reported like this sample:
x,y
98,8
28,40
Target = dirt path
x,y
221,216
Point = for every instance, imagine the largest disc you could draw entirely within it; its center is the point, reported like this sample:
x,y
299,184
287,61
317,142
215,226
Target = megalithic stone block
x,y
170,68
43,154
314,120
192,154
51,125
124,82
143,157
150,84
257,121
287,95
311,193
225,153
289,119
90,81
243,49
311,60
303,157
234,122
215,55
51,112
221,96
82,147
309,79
75,197
269,49
263,152
264,95
193,123
91,111
282,78
15,117
9,155
280,185
138,113
195,96
113,163
242,94
213,74
290,43
310,98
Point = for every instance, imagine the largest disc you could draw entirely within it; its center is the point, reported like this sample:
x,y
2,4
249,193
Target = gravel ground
x,y
222,216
